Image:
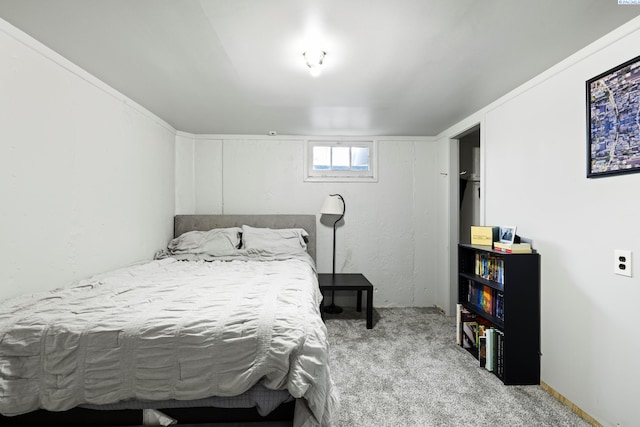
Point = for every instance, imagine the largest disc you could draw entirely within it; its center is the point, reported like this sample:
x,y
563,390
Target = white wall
x,y
389,226
86,175
535,177
199,188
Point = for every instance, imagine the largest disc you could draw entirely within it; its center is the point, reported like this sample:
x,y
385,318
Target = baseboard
x,y
588,418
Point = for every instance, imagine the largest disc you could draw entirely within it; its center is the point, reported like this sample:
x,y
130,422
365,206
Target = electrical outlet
x,y
622,262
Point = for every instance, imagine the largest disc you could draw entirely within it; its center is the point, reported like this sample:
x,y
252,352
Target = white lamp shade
x,y
332,206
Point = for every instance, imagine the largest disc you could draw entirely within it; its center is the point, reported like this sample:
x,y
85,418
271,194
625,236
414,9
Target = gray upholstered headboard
x,y
184,223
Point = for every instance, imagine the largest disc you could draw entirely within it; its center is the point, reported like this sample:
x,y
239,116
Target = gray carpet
x,y
408,371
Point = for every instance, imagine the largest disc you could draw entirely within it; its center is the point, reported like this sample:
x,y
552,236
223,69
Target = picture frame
x,y
507,234
613,108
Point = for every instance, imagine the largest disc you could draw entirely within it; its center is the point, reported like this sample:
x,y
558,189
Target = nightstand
x,y
348,282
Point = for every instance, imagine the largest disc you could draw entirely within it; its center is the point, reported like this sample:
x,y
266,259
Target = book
x,y
486,302
469,334
482,325
473,294
480,328
463,316
481,235
500,270
499,306
482,351
500,354
513,248
490,349
459,324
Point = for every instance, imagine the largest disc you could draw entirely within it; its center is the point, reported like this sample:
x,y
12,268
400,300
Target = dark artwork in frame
x,y
613,121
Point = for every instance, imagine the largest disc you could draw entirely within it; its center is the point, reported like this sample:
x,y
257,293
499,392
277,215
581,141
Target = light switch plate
x,y
622,262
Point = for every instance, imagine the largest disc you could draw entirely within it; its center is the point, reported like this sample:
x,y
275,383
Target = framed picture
x,y
507,234
613,117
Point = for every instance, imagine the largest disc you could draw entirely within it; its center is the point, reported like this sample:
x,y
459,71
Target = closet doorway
x,y
469,183
465,199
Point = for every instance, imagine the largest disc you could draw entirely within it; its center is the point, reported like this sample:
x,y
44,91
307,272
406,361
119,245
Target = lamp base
x,y
333,309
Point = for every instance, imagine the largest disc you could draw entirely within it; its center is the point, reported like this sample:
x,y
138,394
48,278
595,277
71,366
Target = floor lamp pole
x,y
333,308
334,250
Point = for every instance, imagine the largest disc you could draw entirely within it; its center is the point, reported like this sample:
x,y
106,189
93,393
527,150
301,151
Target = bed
x,y
204,325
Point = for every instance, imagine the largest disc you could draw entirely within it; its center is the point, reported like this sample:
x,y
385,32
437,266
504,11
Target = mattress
x,y
171,330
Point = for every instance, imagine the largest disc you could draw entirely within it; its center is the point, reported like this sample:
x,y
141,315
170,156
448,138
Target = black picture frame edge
x,y
591,174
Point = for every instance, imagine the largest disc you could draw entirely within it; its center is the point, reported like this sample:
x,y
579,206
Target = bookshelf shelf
x,y
500,292
479,312
480,280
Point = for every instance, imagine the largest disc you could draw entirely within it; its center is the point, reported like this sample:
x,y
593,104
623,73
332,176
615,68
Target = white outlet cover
x,y
622,262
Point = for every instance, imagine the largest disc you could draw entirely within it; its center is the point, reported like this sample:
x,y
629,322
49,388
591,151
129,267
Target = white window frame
x,y
311,175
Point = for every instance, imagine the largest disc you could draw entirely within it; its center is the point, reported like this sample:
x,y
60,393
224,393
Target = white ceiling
x,y
401,67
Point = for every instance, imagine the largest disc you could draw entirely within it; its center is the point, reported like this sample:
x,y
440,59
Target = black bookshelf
x,y
519,283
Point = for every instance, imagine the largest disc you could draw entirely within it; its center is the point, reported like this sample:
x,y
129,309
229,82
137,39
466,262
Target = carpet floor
x,y
408,371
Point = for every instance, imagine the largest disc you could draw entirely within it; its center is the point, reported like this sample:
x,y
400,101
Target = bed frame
x,y
128,417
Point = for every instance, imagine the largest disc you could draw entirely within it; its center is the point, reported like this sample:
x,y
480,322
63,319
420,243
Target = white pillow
x,y
274,240
215,242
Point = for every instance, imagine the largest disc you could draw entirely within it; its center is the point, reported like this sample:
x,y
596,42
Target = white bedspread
x,y
170,329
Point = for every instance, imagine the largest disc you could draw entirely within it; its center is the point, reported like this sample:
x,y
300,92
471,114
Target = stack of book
x,y
491,351
467,327
513,248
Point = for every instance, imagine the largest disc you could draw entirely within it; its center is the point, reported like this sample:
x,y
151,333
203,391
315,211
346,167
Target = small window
x,y
341,160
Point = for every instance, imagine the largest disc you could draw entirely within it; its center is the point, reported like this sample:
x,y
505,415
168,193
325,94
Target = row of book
x,y
481,337
489,267
491,351
467,327
487,299
480,296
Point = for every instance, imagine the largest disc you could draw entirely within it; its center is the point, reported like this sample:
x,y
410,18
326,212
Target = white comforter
x,y
170,329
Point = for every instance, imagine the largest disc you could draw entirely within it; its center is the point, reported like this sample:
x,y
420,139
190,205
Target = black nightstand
x,y
348,282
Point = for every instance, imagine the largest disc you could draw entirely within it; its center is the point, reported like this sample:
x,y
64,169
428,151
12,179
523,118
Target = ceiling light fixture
x,y
314,59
